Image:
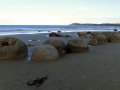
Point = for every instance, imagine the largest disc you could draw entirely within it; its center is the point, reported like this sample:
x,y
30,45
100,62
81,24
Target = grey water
x,y
32,29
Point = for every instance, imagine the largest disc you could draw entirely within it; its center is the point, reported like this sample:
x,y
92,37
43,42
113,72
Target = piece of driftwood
x,y
37,82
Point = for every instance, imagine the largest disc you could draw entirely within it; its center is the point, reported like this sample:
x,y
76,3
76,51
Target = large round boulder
x,y
107,34
45,53
115,37
82,34
98,38
77,46
54,34
93,41
59,44
12,48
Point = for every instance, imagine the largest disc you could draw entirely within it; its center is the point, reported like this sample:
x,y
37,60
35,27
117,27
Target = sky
x,y
58,12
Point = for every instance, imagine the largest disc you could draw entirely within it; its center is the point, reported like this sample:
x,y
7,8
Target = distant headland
x,y
102,24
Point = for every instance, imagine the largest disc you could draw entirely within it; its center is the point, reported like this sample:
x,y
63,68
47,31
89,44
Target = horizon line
x,y
64,24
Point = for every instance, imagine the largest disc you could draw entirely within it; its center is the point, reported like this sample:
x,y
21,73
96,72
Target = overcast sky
x,y
59,11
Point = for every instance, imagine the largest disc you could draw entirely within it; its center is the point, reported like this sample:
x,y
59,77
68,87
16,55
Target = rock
x,y
54,34
88,32
45,53
77,46
93,34
59,32
82,34
107,34
93,42
115,30
98,38
12,48
68,36
59,44
115,37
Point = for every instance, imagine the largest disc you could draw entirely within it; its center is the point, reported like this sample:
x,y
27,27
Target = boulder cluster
x,y
97,38
51,49
54,48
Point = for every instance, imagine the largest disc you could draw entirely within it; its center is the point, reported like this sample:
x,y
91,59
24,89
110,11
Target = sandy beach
x,y
97,69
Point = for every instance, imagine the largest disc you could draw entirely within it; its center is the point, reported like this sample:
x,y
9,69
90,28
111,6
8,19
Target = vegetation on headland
x,y
102,24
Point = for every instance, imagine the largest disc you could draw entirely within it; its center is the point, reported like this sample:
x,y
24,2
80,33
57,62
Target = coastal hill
x,y
102,24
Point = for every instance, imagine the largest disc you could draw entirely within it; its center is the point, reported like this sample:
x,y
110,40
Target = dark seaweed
x,y
37,82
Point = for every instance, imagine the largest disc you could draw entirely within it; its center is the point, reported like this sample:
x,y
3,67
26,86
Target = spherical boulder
x,y
77,46
115,37
59,44
12,48
93,41
54,34
45,53
82,34
99,38
107,34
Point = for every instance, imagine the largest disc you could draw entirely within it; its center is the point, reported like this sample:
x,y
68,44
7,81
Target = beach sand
x,y
97,69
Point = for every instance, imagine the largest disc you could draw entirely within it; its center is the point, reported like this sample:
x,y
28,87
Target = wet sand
x,y
97,69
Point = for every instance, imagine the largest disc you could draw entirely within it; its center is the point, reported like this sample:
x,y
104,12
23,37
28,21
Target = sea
x,y
34,29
